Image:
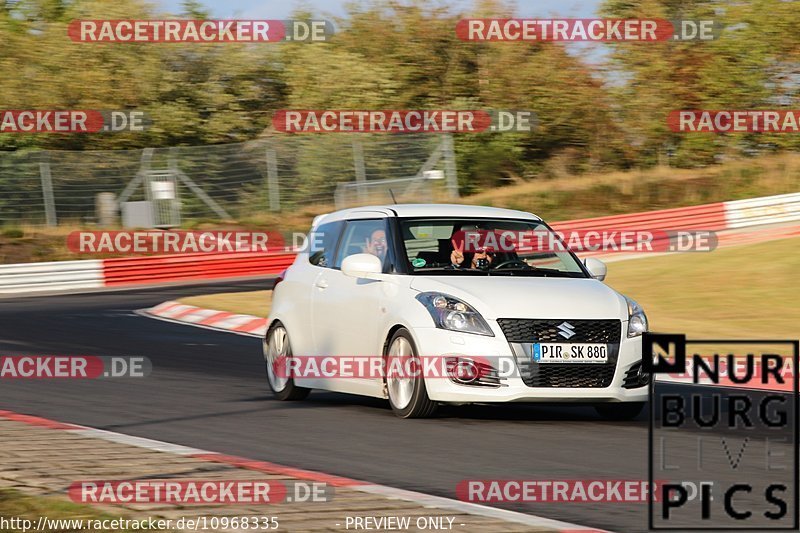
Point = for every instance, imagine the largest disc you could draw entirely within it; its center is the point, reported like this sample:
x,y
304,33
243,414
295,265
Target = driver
x,y
481,259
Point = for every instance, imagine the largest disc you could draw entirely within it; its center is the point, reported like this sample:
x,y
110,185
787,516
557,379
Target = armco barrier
x,y
766,210
162,269
700,217
90,274
55,276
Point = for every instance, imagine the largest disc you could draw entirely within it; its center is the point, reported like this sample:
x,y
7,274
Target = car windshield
x,y
484,246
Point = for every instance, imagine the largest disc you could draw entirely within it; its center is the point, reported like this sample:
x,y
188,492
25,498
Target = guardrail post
x,y
273,187
451,176
47,194
361,171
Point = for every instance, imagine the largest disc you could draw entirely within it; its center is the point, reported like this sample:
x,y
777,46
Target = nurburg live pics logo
x,y
723,433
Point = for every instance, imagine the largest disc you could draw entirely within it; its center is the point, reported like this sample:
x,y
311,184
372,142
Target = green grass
x,y
12,232
739,292
610,193
247,303
15,504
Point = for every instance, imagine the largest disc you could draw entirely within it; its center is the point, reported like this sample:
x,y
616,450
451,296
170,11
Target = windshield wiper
x,y
448,271
536,272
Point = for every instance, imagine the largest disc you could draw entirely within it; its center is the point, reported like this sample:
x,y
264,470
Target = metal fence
x,y
222,182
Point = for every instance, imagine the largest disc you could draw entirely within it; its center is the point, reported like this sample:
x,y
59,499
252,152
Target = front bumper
x,y
434,341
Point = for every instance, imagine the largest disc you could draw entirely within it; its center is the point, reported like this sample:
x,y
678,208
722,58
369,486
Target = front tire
x,y
408,395
619,411
277,351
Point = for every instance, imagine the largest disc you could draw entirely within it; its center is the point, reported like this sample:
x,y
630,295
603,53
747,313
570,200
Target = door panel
x,y
345,310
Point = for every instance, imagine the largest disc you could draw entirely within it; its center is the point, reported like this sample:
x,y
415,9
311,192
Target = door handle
x,y
322,284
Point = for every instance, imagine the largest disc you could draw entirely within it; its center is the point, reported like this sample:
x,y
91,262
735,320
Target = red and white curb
x,y
249,325
420,498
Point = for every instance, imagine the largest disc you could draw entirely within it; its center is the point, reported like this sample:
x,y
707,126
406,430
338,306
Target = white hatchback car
x,y
535,324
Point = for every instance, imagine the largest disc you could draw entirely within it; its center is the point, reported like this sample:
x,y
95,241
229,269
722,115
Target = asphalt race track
x,y
208,390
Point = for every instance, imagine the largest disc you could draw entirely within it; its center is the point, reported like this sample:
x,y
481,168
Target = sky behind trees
x,y
602,109
284,8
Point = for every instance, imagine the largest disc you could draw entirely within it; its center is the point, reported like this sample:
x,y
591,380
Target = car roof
x,y
425,210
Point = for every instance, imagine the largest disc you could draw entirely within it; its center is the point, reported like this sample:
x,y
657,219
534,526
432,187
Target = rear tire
x,y
408,396
276,346
619,411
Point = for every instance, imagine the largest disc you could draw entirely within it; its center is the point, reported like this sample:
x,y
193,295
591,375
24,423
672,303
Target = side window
x,y
322,243
365,237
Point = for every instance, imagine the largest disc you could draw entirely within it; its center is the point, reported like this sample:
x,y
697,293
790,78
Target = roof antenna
x,y
392,195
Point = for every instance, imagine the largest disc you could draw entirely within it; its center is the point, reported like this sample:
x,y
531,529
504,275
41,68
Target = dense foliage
x,y
599,106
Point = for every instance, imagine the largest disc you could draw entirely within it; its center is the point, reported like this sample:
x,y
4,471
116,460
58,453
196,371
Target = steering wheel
x,y
509,262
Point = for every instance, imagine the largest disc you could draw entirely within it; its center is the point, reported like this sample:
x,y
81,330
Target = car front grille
x,y
567,375
534,330
520,331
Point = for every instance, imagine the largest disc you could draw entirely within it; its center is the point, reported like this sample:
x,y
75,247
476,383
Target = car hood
x,y
517,297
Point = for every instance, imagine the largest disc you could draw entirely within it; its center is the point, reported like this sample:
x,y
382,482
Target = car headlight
x,y
637,320
453,314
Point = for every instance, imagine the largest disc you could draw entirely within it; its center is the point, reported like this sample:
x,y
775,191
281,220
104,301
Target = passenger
x,y
376,244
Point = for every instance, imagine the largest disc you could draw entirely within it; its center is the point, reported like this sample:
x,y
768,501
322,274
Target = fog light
x,y
465,371
643,376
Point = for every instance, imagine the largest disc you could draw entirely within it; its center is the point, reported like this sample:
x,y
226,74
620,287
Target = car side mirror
x,y
596,268
361,265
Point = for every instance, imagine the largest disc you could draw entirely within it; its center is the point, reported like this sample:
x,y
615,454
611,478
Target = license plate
x,y
558,352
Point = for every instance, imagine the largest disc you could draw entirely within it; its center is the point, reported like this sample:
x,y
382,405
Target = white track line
x,y
139,442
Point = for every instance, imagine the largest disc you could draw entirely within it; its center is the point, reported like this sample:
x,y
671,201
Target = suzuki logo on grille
x,y
566,330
